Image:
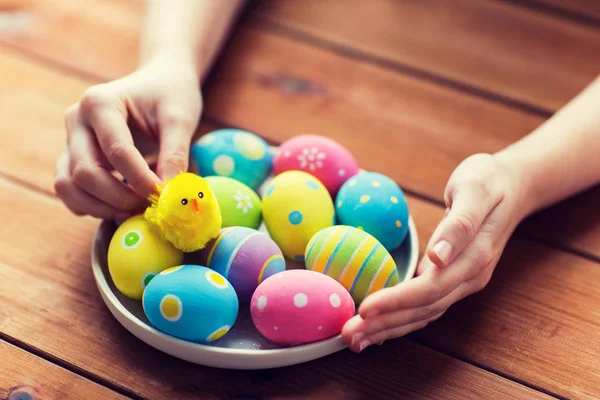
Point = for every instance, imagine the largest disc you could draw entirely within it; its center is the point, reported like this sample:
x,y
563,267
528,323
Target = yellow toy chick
x,y
186,211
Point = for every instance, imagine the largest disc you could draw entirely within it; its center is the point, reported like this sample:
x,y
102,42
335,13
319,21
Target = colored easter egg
x,y
326,159
239,204
354,258
234,153
191,302
245,256
376,204
296,205
136,253
300,306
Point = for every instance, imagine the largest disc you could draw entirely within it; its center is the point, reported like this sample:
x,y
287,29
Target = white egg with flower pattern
x,y
191,302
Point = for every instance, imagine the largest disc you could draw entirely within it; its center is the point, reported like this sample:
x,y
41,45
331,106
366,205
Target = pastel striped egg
x,y
352,257
245,257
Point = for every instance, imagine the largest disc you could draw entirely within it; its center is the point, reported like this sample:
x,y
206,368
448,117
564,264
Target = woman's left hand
x,y
483,197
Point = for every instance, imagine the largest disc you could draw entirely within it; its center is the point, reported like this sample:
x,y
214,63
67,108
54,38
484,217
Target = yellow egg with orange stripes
x,y
352,257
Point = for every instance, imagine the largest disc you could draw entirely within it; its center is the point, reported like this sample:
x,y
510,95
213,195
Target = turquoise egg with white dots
x,y
234,153
191,302
376,204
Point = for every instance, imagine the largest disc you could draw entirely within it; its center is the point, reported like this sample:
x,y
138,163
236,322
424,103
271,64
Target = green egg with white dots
x,y
136,253
240,205
295,206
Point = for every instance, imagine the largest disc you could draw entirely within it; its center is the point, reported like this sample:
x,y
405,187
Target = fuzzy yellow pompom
x,y
186,211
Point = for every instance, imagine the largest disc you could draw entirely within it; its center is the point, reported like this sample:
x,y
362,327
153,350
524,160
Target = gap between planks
x,y
68,366
555,11
488,369
405,69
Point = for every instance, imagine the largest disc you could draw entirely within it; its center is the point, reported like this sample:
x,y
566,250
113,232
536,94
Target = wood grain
x,y
329,95
431,128
23,374
512,51
62,305
588,8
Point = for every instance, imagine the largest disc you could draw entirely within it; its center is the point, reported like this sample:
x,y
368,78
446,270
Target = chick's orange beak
x,y
196,205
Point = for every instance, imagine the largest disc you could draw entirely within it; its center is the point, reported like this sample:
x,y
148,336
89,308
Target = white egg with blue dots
x,y
376,204
234,153
191,302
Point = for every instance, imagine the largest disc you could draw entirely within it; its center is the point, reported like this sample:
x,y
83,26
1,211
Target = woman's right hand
x,y
157,107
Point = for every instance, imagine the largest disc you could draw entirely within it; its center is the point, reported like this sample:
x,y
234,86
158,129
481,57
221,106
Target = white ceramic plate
x,y
243,347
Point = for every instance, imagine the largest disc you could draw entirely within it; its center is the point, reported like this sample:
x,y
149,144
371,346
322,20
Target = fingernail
x,y
443,250
357,337
363,345
372,313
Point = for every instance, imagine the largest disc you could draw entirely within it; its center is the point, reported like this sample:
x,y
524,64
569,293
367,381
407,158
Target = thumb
x,y
471,204
175,141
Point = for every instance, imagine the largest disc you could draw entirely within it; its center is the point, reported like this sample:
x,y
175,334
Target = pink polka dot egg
x,y
330,162
299,306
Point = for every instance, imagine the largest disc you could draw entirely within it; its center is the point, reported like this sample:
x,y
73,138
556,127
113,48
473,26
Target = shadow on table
x,y
490,323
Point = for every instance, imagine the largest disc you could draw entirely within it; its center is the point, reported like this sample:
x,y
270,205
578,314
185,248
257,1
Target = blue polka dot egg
x,y
191,302
374,203
234,153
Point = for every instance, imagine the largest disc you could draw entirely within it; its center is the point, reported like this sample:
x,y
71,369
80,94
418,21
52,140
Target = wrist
x,y
520,181
172,61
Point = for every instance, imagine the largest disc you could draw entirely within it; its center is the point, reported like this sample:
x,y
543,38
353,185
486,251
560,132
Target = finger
x,y
78,201
428,288
351,328
393,333
386,335
175,140
379,323
108,123
471,203
92,177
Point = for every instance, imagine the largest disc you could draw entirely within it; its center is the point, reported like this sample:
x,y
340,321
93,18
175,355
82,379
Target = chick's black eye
x,y
200,194
184,201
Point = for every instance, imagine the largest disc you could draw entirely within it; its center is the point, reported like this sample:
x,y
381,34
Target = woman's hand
x,y
484,199
156,107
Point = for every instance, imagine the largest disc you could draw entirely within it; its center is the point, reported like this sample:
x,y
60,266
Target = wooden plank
x,y
371,110
61,298
91,32
496,46
538,304
587,8
26,374
431,128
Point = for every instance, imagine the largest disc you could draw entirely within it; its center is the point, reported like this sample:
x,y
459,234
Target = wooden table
x,y
411,88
